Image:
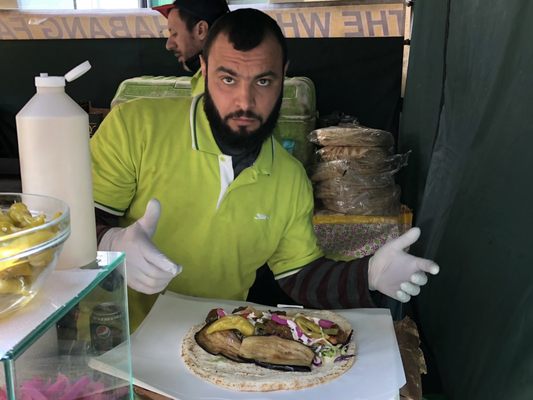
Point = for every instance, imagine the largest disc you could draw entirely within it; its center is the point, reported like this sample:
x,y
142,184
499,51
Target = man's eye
x,y
264,82
228,80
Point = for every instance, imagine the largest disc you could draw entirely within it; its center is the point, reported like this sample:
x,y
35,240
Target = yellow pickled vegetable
x,y
13,286
23,268
41,259
308,327
25,242
22,217
56,215
18,273
6,224
15,268
5,217
13,262
231,322
6,228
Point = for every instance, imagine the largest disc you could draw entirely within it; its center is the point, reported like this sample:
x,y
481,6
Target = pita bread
x,y
363,154
351,135
250,377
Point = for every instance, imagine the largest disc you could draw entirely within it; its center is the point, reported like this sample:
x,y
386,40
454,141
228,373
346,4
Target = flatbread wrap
x,y
269,350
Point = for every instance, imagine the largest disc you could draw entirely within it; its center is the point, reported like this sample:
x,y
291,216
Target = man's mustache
x,y
243,113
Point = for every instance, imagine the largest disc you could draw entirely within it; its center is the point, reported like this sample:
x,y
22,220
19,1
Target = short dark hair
x,y
246,29
194,11
188,19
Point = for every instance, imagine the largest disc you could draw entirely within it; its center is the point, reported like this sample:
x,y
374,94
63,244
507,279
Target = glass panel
x,y
54,359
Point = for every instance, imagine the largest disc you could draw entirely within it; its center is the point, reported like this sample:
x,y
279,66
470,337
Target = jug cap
x,y
49,81
59,81
78,71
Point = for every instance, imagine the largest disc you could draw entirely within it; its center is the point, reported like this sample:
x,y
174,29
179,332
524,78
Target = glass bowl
x,y
33,229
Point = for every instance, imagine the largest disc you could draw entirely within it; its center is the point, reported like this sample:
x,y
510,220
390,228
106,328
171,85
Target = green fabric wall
x,y
468,116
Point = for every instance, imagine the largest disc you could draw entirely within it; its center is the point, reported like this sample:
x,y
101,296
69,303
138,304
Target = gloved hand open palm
x,y
396,273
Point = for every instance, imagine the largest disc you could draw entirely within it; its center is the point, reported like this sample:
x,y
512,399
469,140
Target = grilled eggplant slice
x,y
287,368
226,343
276,351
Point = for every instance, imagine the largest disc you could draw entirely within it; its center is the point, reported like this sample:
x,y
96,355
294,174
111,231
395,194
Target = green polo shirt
x,y
220,229
197,83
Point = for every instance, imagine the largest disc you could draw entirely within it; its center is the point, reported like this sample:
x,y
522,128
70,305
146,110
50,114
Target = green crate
x,y
297,115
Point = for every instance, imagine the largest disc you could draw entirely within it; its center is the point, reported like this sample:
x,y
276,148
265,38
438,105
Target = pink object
x,y
75,390
58,386
326,324
299,332
64,389
278,319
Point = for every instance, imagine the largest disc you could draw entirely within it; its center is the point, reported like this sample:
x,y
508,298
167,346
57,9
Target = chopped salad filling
x,y
324,337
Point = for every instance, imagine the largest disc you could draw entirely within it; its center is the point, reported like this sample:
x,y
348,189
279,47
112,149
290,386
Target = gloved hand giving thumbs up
x,y
147,269
397,274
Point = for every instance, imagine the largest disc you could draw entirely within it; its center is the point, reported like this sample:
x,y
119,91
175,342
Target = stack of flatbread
x,y
355,174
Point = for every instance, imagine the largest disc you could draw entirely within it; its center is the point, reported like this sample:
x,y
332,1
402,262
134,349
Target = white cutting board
x,y
156,347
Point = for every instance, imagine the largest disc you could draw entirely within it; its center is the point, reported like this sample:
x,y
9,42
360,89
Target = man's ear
x,y
203,66
286,68
201,30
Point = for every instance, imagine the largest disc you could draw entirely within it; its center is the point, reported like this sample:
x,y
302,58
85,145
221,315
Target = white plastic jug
x,y
53,140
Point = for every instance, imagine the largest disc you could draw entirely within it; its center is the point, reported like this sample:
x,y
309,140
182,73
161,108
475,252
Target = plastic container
x,y
53,139
297,117
33,230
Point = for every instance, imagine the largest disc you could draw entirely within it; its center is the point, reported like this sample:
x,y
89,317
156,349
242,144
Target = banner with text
x,y
358,20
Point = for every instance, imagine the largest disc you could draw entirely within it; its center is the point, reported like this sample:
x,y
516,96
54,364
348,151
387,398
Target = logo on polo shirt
x,y
260,216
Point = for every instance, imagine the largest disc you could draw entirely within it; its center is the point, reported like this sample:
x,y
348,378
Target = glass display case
x,y
46,348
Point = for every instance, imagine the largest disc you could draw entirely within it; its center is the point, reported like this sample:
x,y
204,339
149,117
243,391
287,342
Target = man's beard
x,y
241,140
192,64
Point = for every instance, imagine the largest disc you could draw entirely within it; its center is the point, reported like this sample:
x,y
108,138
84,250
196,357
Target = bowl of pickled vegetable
x,y
33,229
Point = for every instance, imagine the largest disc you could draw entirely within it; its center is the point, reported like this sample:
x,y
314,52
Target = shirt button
x,y
222,158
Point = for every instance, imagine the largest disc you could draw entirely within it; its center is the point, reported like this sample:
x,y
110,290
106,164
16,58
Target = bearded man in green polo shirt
x,y
229,197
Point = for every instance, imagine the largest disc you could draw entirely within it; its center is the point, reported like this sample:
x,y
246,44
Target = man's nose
x,y
169,44
245,96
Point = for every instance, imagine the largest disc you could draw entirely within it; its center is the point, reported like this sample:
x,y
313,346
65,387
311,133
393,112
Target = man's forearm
x,y
329,284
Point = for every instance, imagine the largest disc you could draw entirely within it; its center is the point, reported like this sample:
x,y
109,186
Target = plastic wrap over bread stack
x,y
355,174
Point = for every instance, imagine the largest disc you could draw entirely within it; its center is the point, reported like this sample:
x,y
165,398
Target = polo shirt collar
x,y
203,140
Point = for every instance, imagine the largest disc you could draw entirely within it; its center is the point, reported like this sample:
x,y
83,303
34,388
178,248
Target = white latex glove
x,y
147,269
397,274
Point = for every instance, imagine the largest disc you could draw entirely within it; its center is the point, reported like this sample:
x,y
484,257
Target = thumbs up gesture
x,y
147,269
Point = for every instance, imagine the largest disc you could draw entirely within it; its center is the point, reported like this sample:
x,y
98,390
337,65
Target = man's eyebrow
x,y
226,70
229,71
